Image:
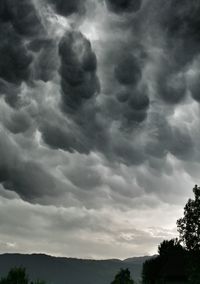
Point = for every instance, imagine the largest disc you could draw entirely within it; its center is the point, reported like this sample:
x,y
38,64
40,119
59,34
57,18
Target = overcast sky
x,y
99,124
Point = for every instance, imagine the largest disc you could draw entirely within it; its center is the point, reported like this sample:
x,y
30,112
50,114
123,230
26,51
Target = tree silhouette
x,y
169,264
123,277
15,276
38,282
151,269
170,248
189,225
18,275
172,256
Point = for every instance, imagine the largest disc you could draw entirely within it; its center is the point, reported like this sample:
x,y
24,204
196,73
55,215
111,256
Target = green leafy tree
x,y
15,276
194,271
123,277
18,275
170,252
170,248
189,225
38,282
151,270
189,231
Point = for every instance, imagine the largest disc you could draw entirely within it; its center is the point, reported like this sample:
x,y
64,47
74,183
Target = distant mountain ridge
x,y
138,258
62,270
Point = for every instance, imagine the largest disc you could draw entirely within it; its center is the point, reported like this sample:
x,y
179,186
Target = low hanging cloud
x,y
22,16
124,6
66,8
194,85
20,25
15,64
28,178
78,70
46,60
111,120
100,116
127,71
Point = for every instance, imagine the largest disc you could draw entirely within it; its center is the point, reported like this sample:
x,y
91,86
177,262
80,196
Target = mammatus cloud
x,y
28,178
98,119
20,25
79,81
124,6
70,7
127,70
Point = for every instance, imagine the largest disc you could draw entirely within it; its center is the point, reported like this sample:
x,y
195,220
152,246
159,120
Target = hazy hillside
x,y
59,270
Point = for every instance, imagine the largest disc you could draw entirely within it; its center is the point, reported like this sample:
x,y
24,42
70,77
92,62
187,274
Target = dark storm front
x,y
99,131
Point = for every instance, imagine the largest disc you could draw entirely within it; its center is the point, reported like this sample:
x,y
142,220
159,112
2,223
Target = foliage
x,y
169,251
169,248
173,255
123,277
194,268
15,276
38,282
151,270
18,275
189,225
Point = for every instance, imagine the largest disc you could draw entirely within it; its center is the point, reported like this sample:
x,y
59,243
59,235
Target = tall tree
x,y
189,225
18,275
15,276
151,270
123,277
170,247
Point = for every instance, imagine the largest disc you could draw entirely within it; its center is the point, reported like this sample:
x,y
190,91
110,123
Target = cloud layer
x,y
99,117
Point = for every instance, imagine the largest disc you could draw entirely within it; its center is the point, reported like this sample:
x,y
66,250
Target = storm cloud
x,y
20,23
99,123
121,6
70,7
78,69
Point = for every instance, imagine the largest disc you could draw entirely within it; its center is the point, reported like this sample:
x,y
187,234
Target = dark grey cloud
x,y
124,6
133,107
85,176
127,153
65,138
128,103
19,23
15,59
29,179
172,88
126,99
10,92
139,100
46,61
127,71
170,139
194,87
180,18
123,96
22,16
78,70
27,53
181,144
179,21
21,178
157,146
135,111
177,25
66,8
18,122
104,125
